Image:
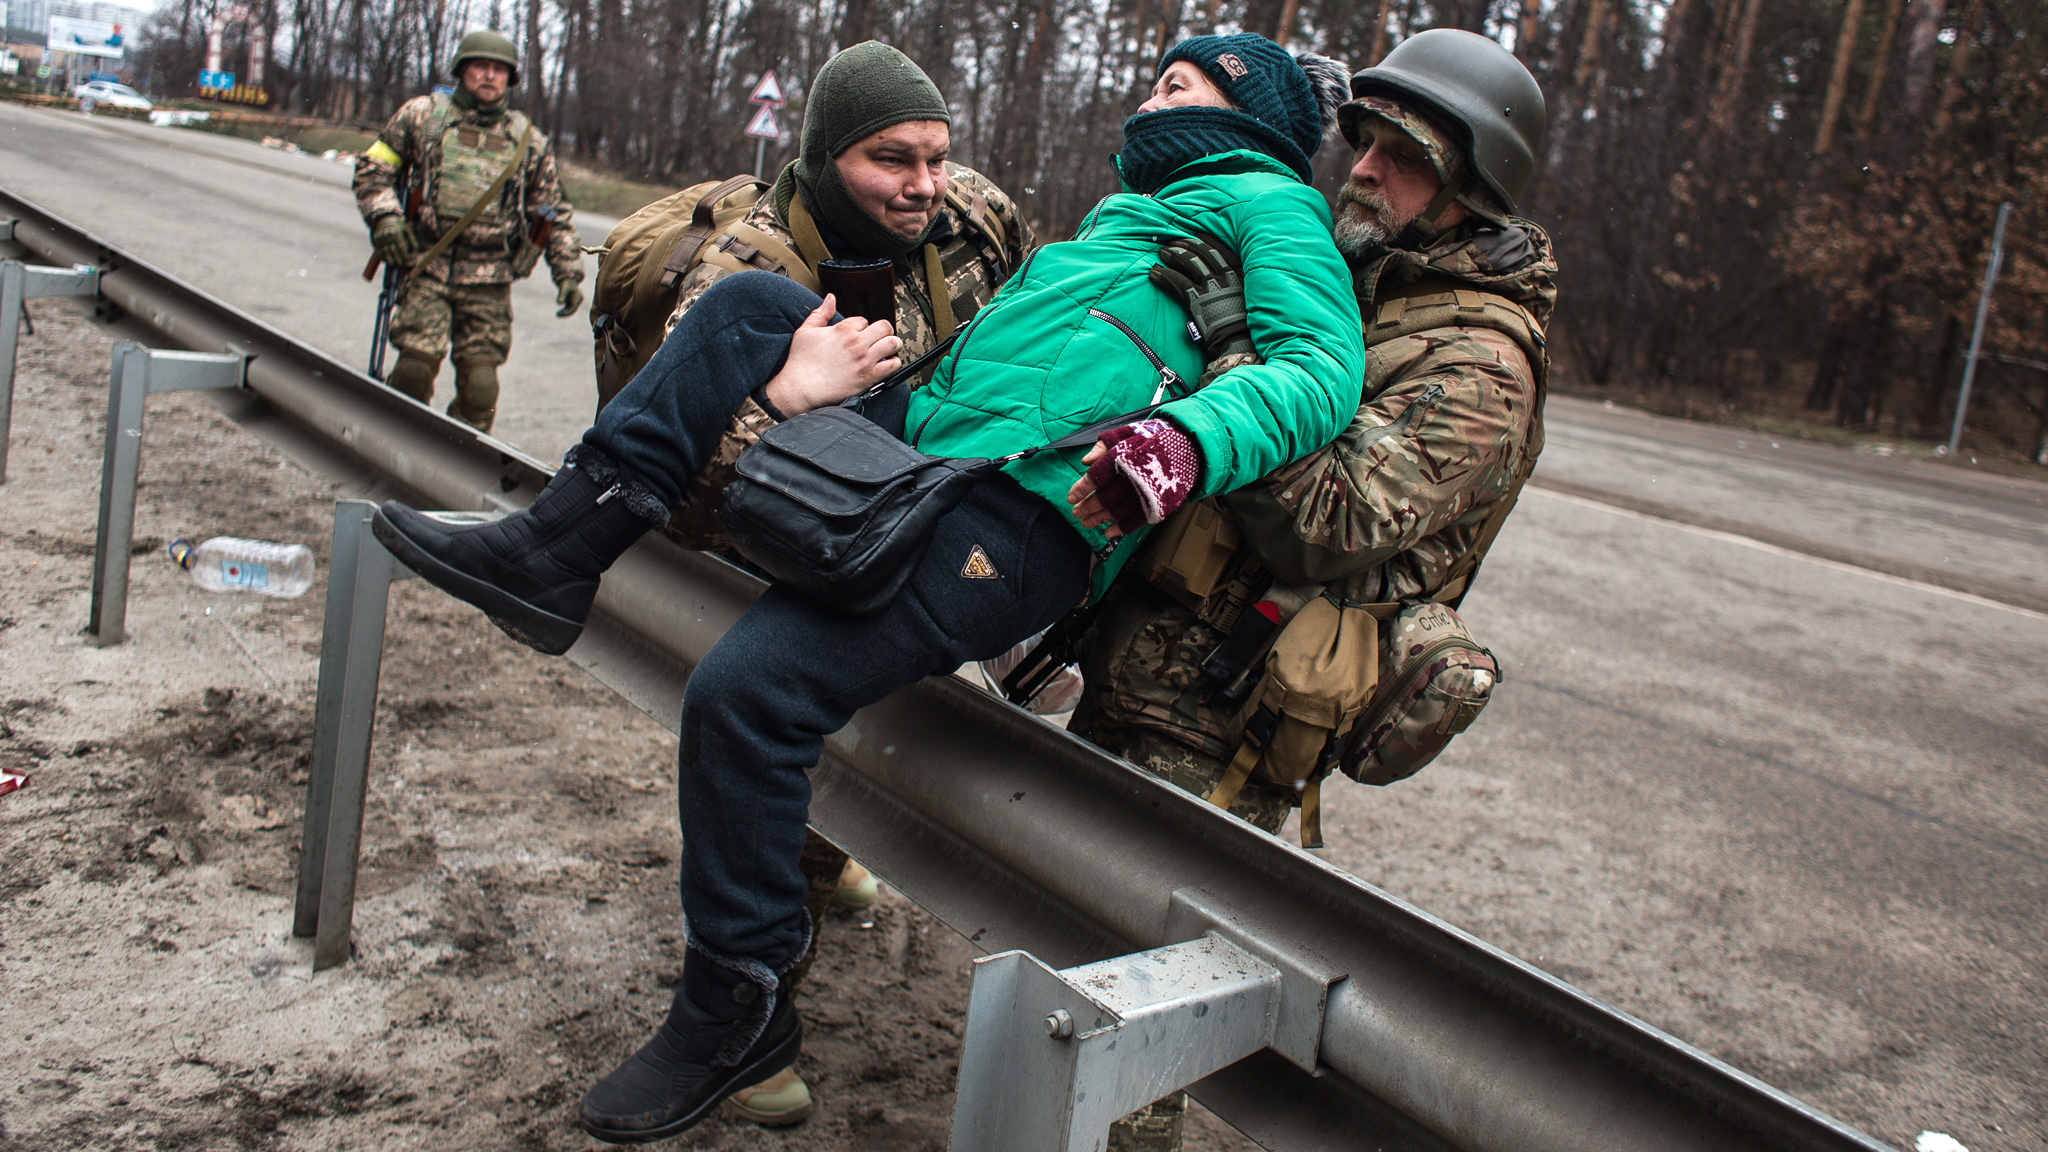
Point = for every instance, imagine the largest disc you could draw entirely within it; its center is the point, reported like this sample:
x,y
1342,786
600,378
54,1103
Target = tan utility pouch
x,y
1188,554
1435,680
1319,677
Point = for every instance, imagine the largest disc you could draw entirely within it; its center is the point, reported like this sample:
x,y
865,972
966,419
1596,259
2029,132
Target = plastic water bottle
x,y
228,564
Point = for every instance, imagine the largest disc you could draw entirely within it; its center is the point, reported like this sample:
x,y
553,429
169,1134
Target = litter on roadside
x,y
9,781
1937,1142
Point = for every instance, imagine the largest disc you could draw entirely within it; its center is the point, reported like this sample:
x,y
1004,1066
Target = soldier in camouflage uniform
x,y
453,148
976,238
1450,414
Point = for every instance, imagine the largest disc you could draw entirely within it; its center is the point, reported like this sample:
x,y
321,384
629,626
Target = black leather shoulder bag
x,y
834,506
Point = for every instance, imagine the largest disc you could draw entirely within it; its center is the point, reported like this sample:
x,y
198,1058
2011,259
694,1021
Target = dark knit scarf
x,y
1157,144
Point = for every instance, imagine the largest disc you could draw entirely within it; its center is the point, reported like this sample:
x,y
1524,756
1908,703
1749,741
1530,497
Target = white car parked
x,y
95,93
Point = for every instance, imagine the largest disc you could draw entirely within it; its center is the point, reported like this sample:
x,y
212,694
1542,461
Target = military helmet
x,y
486,44
1470,83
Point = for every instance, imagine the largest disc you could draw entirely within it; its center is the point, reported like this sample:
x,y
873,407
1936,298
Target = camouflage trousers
x,y
474,319
1156,1127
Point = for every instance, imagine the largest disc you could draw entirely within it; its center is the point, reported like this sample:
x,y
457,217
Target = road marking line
x,y
1775,550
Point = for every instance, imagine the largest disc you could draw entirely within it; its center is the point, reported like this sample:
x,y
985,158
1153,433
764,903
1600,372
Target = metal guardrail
x,y
1021,836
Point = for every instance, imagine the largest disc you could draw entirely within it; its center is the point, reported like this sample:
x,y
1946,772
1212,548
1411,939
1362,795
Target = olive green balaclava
x,y
859,92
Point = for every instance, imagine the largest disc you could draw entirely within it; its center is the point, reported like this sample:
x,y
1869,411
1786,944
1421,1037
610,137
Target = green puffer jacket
x,y
1042,361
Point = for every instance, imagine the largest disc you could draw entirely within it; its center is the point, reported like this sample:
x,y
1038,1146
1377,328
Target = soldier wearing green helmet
x,y
1454,292
483,205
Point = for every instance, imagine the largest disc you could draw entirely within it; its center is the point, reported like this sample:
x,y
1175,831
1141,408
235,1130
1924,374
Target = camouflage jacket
x,y
483,253
1383,512
974,265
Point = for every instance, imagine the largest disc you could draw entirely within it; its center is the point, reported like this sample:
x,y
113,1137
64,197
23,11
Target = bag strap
x,y
940,292
699,230
809,243
490,195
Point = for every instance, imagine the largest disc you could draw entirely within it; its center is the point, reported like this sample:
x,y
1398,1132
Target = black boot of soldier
x,y
719,1037
535,572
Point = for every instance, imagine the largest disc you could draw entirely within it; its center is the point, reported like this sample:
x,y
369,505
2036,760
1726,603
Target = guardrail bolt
x,y
1059,1025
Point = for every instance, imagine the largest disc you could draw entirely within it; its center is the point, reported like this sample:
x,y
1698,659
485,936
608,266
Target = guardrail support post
x,y
137,372
1052,1058
359,576
20,282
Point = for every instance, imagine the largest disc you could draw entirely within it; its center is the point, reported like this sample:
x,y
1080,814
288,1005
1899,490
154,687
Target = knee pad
x,y
476,393
414,375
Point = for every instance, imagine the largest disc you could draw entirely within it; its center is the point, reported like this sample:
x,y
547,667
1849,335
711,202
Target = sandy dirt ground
x,y
517,930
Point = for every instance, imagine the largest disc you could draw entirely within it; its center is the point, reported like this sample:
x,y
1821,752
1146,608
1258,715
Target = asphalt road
x,y
277,235
1767,769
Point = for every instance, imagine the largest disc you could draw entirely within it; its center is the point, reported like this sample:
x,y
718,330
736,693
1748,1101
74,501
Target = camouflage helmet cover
x,y
1472,84
488,44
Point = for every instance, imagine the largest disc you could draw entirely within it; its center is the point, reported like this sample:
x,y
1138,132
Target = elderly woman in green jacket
x,y
1078,336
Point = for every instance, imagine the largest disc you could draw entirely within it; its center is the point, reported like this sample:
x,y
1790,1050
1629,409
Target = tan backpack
x,y
641,267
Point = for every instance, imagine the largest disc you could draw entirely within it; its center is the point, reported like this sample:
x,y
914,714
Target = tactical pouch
x,y
1436,679
1377,690
1319,676
1187,555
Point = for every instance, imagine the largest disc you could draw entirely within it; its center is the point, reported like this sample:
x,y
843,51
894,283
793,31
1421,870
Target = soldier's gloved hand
x,y
569,294
393,239
1206,278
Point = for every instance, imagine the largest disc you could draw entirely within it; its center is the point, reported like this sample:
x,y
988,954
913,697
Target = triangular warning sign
x,y
764,125
768,91
978,566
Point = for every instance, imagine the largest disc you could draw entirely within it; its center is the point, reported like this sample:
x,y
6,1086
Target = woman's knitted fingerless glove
x,y
1148,472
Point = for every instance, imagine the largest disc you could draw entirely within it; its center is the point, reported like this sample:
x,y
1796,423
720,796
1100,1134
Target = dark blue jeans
x,y
791,671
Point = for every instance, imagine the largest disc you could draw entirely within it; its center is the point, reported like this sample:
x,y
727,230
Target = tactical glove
x,y
1205,276
569,294
393,239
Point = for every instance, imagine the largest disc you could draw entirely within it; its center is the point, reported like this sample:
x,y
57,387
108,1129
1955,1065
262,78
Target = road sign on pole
x,y
764,125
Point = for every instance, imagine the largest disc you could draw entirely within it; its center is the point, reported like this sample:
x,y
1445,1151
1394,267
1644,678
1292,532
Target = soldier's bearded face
x,y
1392,181
898,175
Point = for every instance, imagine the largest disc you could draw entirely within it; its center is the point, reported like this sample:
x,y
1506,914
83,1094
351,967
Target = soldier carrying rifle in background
x,y
482,205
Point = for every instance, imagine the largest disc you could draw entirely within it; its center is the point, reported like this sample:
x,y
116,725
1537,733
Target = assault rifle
x,y
387,299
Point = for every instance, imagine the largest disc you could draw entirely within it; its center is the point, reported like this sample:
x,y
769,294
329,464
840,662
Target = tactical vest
x,y
472,157
1429,305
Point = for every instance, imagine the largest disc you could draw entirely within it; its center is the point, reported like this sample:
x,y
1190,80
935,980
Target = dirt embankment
x,y
517,931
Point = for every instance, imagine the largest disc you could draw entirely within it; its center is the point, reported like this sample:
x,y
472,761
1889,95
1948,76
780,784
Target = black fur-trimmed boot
x,y
726,1031
535,572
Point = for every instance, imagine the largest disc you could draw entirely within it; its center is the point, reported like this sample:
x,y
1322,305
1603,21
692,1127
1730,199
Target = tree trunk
x,y
1958,65
1590,44
1880,67
856,25
1838,80
1915,84
532,78
1735,70
1378,50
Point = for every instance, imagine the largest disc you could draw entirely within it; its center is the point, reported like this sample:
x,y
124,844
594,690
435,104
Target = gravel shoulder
x,y
517,932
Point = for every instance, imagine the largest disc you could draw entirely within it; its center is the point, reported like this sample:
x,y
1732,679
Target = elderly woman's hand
x,y
829,362
1138,474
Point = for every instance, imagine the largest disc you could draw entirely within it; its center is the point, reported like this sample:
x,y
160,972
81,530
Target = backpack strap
x,y
684,252
808,240
974,210
743,246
